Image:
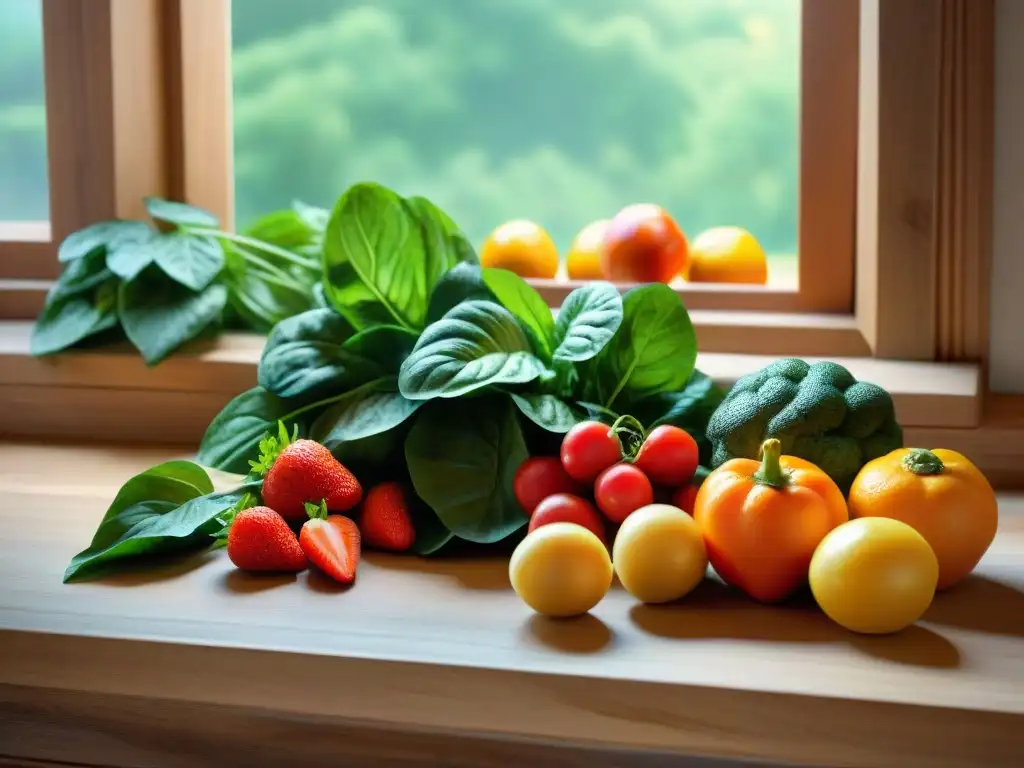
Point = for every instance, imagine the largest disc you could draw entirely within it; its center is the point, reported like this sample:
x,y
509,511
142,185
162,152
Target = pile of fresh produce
x,y
473,415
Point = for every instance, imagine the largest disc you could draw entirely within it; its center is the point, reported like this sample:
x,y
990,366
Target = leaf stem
x,y
252,242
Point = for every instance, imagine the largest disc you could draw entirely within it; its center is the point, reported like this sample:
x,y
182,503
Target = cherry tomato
x,y
539,477
668,456
684,498
567,508
621,490
588,449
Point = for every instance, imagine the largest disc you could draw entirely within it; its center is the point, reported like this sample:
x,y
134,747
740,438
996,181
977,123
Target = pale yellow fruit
x,y
874,575
560,569
583,261
659,554
726,255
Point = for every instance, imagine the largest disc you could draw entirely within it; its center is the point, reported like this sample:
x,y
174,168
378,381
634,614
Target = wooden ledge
x,y
444,649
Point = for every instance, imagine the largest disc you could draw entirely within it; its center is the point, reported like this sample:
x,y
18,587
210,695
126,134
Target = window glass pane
x,y
560,111
24,194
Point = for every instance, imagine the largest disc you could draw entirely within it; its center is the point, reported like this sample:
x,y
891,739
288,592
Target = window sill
x,y
432,651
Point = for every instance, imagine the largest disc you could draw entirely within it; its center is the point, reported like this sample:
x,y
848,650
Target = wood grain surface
x,y
155,668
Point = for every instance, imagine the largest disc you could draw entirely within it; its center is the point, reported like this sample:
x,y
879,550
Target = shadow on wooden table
x,y
470,572
581,635
713,611
981,604
136,572
242,583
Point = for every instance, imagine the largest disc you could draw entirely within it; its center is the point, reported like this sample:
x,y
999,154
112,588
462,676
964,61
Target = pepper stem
x,y
771,472
921,461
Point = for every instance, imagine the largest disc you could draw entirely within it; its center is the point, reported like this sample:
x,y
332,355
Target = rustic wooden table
x,y
196,664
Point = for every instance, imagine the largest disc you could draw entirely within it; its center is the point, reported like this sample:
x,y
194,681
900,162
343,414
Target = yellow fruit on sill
x,y
726,255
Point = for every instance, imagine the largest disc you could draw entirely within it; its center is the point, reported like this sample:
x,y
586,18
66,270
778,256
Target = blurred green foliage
x,y
557,110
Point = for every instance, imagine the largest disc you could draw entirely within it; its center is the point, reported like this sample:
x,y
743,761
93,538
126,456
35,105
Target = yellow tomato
x,y
522,247
659,554
560,569
874,575
584,259
726,255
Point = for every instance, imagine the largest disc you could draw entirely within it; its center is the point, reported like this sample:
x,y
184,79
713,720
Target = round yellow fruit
x,y
584,259
560,569
523,247
874,575
726,255
659,554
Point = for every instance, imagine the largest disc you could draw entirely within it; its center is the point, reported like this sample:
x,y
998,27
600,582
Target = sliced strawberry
x,y
331,542
385,521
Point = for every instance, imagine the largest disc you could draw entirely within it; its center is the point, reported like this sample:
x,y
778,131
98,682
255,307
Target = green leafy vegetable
x,y
180,214
689,409
191,260
547,411
368,410
462,458
83,303
476,344
304,353
516,295
464,282
98,237
587,321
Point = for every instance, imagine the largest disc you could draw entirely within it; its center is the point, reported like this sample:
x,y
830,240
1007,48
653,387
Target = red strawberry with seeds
x,y
259,539
300,471
385,522
331,542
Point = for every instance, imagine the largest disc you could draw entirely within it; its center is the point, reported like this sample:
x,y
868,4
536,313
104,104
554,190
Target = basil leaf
x,y
152,527
192,260
371,409
462,458
68,319
546,411
379,267
476,344
587,320
653,351
516,295
463,282
233,437
180,214
159,315
97,236
127,258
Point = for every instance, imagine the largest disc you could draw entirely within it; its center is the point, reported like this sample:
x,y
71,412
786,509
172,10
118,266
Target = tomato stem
x,y
771,472
629,427
921,461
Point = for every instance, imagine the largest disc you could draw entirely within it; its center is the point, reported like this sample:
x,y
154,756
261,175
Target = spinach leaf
x,y
441,235
431,533
587,320
371,409
81,276
378,269
688,409
288,228
263,297
179,214
653,351
233,437
192,260
304,353
546,411
69,318
174,481
159,315
516,295
476,344
99,236
463,282
462,458
127,258
153,526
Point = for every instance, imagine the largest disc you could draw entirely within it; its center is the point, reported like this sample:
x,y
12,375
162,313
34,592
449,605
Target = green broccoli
x,y
819,412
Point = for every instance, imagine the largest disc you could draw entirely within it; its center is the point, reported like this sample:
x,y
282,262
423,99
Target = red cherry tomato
x,y
588,449
668,456
539,477
567,508
621,490
684,498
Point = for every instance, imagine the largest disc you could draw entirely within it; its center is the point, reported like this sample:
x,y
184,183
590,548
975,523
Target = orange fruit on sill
x,y
523,247
643,244
726,255
584,259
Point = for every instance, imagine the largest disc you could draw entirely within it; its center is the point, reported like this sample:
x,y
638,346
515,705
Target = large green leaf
x,y
69,318
516,295
441,235
100,236
653,351
689,409
304,353
378,269
462,458
547,411
192,260
476,344
160,315
371,409
463,282
180,214
128,257
587,321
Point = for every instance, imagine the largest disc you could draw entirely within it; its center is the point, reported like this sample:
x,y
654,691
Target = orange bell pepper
x,y
762,521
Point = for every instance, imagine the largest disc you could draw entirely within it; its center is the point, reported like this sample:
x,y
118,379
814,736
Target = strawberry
x,y
331,542
385,521
260,540
299,471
